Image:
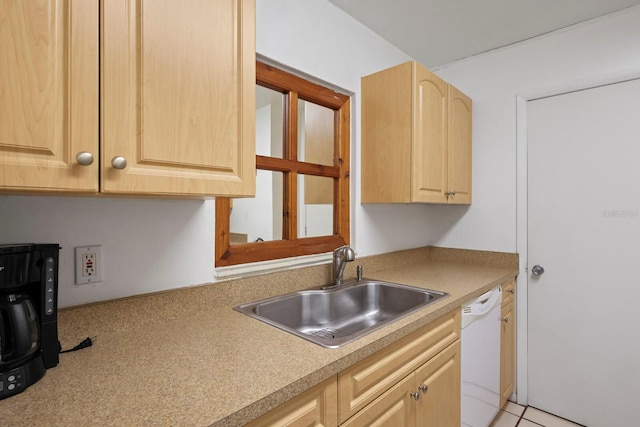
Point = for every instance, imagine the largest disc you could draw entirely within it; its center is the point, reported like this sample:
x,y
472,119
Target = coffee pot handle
x,y
23,328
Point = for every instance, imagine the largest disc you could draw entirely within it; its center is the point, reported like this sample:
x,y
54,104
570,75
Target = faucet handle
x,y
345,251
359,272
349,253
340,250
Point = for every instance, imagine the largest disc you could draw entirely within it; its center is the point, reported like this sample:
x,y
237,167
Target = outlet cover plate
x,y
90,273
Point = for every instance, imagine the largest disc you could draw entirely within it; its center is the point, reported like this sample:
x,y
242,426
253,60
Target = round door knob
x,y
423,388
84,158
415,395
505,320
119,162
537,270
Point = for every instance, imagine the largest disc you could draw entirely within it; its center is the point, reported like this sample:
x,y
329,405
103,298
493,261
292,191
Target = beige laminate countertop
x,y
176,360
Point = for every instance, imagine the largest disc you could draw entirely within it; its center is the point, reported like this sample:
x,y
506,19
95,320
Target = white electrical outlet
x,y
88,264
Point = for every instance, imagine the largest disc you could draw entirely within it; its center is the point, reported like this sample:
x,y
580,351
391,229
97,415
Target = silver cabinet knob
x,y
537,270
119,162
505,320
84,158
415,395
423,388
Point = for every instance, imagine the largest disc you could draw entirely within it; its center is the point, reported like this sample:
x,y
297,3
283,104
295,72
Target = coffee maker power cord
x,y
87,342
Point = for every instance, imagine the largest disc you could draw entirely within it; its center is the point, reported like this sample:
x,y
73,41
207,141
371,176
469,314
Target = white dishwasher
x,y
481,359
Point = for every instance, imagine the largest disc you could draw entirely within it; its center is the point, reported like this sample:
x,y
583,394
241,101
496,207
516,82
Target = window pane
x,y
269,119
259,217
315,206
315,133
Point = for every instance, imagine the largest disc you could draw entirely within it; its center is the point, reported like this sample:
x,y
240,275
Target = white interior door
x,y
584,229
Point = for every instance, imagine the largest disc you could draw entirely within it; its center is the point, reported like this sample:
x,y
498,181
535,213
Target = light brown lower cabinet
x,y
317,406
439,382
429,397
412,382
507,352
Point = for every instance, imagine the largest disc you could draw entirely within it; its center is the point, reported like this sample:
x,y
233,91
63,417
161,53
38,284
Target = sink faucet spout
x,y
341,256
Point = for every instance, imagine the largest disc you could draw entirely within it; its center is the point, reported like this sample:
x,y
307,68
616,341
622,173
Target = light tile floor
x,y
513,415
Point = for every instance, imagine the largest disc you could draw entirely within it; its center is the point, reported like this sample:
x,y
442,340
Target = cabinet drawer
x,y
314,407
508,291
363,382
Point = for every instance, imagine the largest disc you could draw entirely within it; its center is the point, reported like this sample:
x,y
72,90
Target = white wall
x,y
148,245
152,245
583,52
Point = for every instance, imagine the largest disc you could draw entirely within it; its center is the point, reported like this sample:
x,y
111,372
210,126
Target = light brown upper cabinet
x,y
49,95
416,138
177,100
178,97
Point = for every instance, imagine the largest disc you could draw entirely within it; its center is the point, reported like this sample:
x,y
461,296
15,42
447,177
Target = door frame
x,y
522,284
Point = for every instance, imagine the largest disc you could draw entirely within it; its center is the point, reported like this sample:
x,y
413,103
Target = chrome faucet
x,y
341,256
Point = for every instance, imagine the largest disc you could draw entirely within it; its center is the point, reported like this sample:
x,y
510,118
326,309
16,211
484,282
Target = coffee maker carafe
x,y
28,314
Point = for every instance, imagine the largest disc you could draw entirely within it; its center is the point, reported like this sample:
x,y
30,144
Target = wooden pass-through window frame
x,y
293,88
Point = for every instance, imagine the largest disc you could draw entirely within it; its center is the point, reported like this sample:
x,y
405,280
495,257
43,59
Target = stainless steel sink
x,y
333,317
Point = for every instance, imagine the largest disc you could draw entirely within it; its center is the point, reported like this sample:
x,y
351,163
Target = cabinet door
x,y
361,383
387,135
49,95
178,96
507,352
393,408
508,292
459,148
317,406
439,404
429,180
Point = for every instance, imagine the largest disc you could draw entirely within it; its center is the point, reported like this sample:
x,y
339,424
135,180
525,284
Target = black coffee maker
x,y
28,314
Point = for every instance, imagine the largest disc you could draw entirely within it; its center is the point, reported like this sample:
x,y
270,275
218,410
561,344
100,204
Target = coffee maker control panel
x,y
12,382
50,277
18,379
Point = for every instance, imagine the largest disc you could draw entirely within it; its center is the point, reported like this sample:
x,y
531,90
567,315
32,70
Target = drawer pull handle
x,y
423,387
415,395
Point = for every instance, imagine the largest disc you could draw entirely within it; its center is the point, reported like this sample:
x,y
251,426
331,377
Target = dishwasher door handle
x,y
484,303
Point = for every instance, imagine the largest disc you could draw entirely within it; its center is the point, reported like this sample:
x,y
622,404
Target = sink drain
x,y
330,333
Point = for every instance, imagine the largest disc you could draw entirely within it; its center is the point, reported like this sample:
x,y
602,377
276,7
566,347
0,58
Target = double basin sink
x,y
333,317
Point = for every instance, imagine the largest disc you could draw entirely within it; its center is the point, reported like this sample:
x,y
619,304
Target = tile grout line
x,y
522,417
553,415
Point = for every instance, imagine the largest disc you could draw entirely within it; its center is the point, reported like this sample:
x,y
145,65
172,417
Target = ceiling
x,y
435,32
